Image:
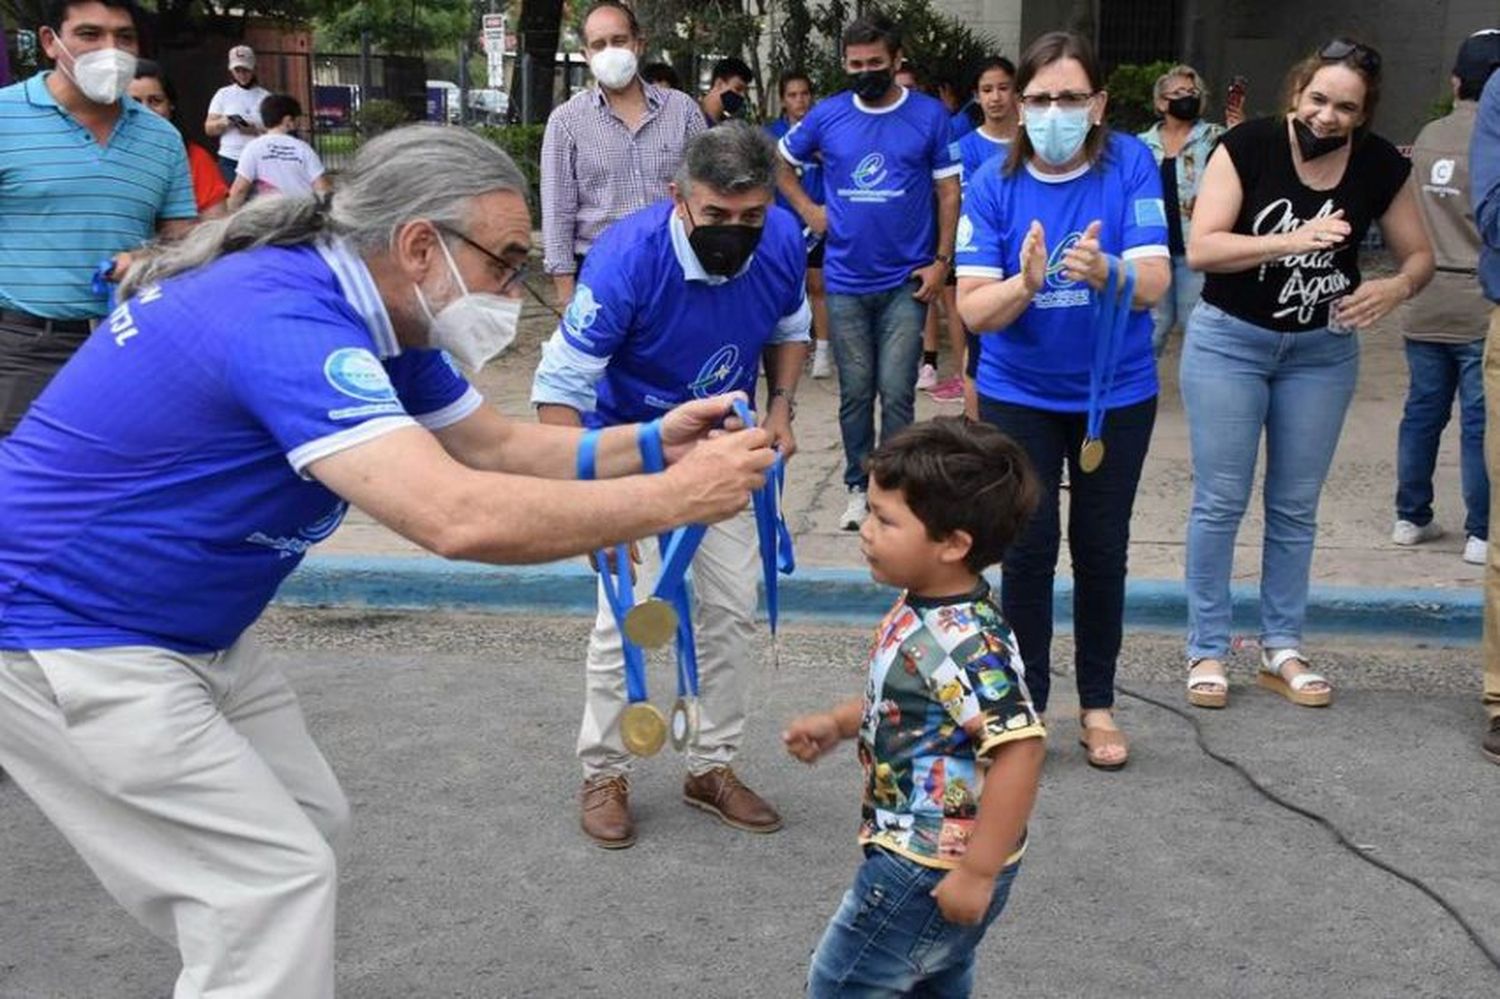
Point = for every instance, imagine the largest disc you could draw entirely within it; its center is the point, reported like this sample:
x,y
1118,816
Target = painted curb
x,y
846,597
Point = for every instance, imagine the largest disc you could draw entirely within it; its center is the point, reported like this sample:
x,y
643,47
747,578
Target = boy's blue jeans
x,y
1438,372
890,939
877,347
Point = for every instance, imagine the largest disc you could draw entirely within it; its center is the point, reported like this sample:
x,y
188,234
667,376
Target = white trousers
x,y
724,579
190,786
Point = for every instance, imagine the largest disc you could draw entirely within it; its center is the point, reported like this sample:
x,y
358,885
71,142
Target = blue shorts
x,y
889,939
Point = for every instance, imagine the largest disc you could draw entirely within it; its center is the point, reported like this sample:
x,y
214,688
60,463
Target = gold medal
x,y
651,623
1091,455
642,729
684,723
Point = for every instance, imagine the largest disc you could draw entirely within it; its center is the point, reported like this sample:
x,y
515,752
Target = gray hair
x,y
1180,70
731,158
413,172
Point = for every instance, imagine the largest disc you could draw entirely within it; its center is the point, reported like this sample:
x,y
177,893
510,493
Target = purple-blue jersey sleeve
x,y
431,388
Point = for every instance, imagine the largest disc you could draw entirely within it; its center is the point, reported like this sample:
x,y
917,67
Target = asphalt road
x,y
466,874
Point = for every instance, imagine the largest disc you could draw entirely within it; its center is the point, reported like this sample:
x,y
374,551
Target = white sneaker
x,y
822,363
1407,533
855,511
926,377
1476,551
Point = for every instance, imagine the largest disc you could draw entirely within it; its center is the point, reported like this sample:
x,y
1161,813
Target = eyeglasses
x,y
1067,100
517,272
1340,49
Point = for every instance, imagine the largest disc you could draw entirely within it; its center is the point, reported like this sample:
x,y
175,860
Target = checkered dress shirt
x,y
595,170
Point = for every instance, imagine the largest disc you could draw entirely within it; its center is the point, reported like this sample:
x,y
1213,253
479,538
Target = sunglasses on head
x,y
1340,49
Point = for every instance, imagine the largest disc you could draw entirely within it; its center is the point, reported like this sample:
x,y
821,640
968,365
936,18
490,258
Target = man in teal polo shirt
x,y
85,173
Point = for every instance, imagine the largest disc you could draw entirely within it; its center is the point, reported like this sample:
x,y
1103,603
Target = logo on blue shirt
x,y
870,172
964,238
1150,212
582,311
356,373
1055,278
718,374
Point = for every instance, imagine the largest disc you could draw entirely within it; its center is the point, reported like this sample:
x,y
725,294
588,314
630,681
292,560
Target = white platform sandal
x,y
1208,689
1295,689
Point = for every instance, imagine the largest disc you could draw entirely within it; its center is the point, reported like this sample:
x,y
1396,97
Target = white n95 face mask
x,y
103,75
475,327
614,67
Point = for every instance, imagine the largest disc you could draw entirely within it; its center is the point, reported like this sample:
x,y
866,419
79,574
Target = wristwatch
x,y
783,393
944,259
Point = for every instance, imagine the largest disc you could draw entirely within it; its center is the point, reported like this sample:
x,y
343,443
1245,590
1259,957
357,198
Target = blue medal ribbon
x,y
619,593
677,550
776,552
1112,320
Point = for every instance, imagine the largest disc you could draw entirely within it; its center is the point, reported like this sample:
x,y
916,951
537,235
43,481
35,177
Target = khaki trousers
x,y
190,786
723,581
1492,570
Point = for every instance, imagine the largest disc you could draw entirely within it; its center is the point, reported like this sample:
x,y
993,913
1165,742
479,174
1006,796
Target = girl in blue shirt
x,y
1033,246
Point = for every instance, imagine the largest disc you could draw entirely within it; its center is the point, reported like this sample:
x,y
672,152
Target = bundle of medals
x,y
667,612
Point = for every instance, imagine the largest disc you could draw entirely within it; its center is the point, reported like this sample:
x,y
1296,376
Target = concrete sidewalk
x,y
466,875
1353,549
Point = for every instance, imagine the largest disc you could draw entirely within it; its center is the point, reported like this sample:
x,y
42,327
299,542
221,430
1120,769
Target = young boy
x,y
278,162
950,743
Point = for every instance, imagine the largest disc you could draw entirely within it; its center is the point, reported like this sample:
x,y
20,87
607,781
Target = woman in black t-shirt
x,y
1281,212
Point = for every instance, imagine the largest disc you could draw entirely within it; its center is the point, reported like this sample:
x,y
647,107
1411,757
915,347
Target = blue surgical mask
x,y
1057,134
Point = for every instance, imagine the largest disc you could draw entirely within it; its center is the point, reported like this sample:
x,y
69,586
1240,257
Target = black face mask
x,y
1185,108
733,101
723,249
871,84
1311,146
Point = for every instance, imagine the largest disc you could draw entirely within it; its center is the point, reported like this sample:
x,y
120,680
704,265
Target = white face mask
x,y
475,327
613,68
103,75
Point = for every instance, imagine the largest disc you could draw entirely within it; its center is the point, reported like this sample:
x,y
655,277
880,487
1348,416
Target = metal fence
x,y
1137,31
340,98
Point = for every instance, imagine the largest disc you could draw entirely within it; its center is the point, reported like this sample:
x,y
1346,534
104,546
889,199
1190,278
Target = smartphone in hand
x,y
1234,98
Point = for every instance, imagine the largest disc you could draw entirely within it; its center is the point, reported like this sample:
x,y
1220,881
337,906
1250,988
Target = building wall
x,y
1001,19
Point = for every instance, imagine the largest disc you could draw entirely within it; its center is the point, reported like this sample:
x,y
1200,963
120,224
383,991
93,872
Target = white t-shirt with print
x,y
280,164
235,99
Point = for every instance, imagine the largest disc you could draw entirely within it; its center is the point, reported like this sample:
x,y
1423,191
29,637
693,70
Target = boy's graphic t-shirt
x,y
946,687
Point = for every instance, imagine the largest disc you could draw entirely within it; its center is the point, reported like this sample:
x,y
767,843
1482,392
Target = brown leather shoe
x,y
719,791
606,811
1491,744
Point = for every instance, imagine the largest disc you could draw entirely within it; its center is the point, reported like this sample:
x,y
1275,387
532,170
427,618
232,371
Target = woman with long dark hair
x,y
1042,233
1269,352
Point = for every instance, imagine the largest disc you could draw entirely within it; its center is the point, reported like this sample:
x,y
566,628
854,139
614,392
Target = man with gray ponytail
x,y
683,300
178,469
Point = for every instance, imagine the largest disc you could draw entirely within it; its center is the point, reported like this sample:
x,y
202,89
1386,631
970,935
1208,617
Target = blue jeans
x,y
889,938
1239,380
1177,304
1099,507
877,346
1438,371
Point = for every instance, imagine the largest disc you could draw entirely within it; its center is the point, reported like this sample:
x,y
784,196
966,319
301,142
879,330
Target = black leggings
x,y
1099,508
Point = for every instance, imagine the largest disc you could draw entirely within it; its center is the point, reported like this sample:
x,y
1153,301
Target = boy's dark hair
x,y
957,474
56,11
873,28
789,78
277,108
729,68
661,73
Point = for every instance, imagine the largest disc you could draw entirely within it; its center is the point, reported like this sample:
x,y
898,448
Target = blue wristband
x,y
648,439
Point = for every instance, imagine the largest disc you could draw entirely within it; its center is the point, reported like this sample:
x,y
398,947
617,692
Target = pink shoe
x,y
926,377
948,390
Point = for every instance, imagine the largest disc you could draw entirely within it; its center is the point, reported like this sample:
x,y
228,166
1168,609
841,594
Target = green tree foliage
x,y
398,25
1132,90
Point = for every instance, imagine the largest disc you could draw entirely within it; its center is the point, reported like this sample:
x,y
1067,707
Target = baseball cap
x,y
1478,56
242,55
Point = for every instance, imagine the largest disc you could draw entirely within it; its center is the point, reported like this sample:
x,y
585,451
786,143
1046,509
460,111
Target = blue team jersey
x,y
960,124
975,148
154,493
809,175
1043,358
647,329
879,166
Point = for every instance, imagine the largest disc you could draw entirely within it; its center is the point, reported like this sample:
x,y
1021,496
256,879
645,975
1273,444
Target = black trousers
x,y
1099,507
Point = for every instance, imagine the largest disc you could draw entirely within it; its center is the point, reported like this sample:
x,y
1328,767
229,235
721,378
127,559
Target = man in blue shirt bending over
x,y
684,300
885,149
